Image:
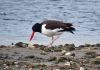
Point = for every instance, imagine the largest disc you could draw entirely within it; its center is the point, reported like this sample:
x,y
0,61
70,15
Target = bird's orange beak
x,y
32,35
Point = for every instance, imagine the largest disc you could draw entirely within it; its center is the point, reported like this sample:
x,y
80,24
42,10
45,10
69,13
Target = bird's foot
x,y
50,45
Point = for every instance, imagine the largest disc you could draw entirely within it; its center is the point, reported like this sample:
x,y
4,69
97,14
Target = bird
x,y
52,28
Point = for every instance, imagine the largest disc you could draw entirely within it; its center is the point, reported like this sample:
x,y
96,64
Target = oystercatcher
x,y
52,28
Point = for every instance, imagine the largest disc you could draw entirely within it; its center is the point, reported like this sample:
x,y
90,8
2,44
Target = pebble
x,y
31,69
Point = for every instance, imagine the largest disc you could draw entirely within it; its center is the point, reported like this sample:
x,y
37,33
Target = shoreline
x,y
55,44
62,57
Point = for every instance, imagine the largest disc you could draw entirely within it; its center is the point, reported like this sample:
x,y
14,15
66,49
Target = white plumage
x,y
49,32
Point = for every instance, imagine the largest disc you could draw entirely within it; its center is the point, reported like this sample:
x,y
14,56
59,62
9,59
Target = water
x,y
18,16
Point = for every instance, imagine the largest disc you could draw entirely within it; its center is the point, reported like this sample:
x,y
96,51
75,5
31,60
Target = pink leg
x,y
50,45
53,40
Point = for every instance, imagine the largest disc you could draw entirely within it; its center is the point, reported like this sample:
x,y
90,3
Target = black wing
x,y
53,24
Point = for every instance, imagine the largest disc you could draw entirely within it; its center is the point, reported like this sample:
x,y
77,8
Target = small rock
x,y
15,62
36,45
6,67
21,44
68,53
30,57
67,64
31,69
16,66
56,69
97,45
82,68
3,46
81,46
5,64
63,51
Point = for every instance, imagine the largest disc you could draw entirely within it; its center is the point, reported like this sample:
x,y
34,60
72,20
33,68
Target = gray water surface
x,y
18,16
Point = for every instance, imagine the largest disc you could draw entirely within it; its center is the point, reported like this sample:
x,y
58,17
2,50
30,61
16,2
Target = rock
x,y
68,53
96,60
17,66
71,45
66,45
97,45
73,54
56,69
30,57
81,46
47,49
61,59
21,44
42,47
31,69
52,59
4,64
16,63
67,64
82,68
87,45
90,54
36,45
63,51
3,46
7,67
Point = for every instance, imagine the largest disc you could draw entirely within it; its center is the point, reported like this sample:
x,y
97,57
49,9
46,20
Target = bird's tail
x,y
69,29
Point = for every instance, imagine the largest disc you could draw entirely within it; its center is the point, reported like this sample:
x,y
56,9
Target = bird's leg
x,y
53,40
50,45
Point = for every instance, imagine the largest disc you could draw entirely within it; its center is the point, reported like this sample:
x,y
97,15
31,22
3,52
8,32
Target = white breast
x,y
49,32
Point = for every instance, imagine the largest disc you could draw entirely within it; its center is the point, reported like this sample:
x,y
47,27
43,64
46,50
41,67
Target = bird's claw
x,y
50,45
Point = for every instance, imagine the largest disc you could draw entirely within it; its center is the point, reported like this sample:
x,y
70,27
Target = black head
x,y
37,27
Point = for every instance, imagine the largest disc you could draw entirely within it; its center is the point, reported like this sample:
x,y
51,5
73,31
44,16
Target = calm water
x,y
18,16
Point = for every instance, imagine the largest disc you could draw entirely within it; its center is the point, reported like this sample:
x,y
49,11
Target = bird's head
x,y
36,28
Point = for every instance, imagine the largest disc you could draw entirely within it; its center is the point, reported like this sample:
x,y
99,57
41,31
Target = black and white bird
x,y
52,28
